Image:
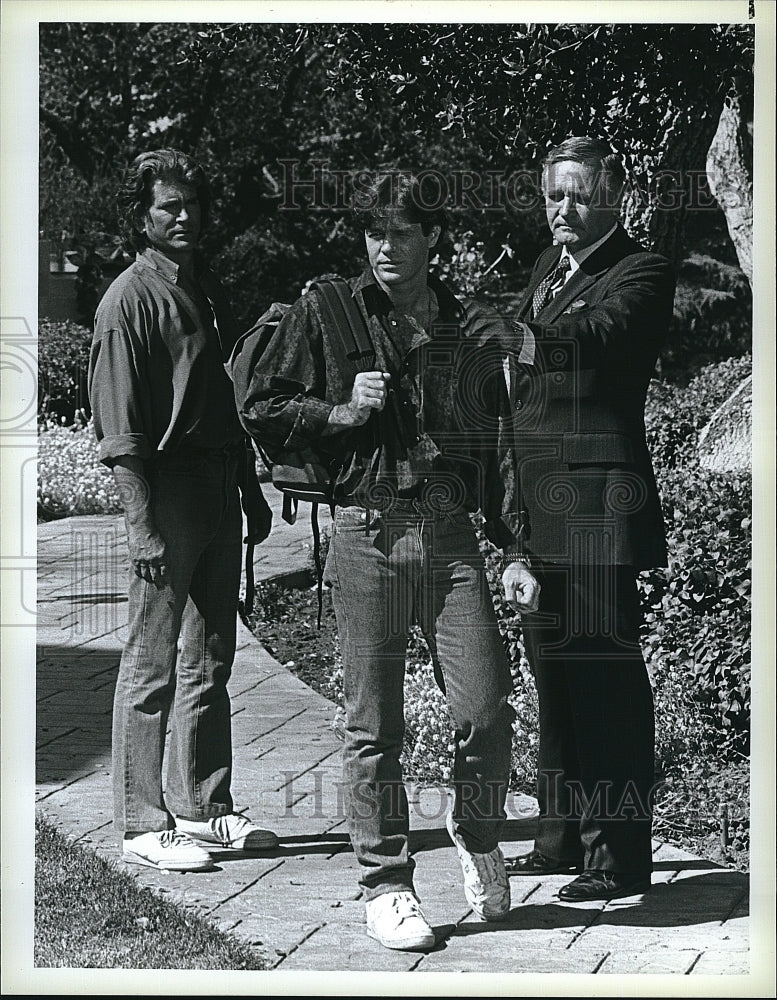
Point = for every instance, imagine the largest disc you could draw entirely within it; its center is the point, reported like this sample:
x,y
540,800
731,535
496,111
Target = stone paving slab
x,y
301,905
466,954
715,963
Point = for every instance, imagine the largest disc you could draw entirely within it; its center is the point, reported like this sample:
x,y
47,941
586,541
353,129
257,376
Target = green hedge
x,y
713,316
698,608
63,363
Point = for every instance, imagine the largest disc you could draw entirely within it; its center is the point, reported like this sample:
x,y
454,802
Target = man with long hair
x,y
165,419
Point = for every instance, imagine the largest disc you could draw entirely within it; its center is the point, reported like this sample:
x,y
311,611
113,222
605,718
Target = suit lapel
x,y
576,285
618,246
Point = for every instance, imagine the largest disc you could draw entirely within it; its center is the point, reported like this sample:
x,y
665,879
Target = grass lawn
x,y
89,914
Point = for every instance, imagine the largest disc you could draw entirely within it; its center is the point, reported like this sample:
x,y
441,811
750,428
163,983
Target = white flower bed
x,y
71,479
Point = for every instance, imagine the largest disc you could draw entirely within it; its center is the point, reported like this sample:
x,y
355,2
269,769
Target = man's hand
x,y
259,519
258,513
147,552
369,393
522,591
146,546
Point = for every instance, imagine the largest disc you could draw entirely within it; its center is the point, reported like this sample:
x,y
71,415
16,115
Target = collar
x,y
575,260
376,301
155,259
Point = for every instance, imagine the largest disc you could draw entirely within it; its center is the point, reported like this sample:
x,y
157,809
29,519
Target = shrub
x,y
428,750
703,787
257,268
712,316
273,261
698,608
63,363
429,728
465,265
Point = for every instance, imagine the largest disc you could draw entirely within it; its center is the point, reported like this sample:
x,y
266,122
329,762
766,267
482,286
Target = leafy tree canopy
x,y
261,104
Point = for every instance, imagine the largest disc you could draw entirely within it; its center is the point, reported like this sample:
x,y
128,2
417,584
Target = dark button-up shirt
x,y
439,437
156,377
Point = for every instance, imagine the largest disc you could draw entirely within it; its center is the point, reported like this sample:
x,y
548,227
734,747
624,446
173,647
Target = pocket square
x,y
576,305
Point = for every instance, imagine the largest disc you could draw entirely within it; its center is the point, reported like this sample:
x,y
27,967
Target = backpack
x,y
306,475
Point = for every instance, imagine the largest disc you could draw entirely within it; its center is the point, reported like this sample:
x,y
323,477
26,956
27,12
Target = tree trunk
x,y
664,185
730,174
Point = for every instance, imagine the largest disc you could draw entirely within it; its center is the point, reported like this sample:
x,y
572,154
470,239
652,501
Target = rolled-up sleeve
x,y
310,423
115,380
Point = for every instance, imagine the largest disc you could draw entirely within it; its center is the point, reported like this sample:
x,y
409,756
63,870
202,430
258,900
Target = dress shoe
x,y
535,863
598,884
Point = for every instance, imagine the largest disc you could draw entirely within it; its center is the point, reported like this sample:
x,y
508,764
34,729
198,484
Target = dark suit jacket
x,y
585,472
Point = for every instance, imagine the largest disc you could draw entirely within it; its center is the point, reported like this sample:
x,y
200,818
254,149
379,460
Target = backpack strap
x,y
344,323
350,338
248,605
317,559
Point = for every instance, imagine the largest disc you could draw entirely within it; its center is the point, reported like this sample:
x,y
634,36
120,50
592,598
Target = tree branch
x,y
73,142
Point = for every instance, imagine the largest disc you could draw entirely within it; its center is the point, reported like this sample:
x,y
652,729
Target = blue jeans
x,y
407,569
197,511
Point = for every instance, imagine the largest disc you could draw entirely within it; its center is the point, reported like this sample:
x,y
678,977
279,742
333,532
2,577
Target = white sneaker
x,y
168,850
485,879
395,919
232,832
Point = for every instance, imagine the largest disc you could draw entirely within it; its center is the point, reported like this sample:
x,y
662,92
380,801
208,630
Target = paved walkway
x,y
301,906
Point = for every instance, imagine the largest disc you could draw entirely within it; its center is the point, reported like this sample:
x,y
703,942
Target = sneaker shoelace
x,y
405,908
229,828
221,829
173,838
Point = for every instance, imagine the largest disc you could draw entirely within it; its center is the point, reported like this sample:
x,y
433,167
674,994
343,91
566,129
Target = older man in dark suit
x,y
595,314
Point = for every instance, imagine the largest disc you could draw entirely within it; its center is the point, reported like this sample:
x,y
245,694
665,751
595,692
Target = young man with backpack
x,y
410,434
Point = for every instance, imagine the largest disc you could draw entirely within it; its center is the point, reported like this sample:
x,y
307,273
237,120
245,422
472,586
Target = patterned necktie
x,y
542,293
